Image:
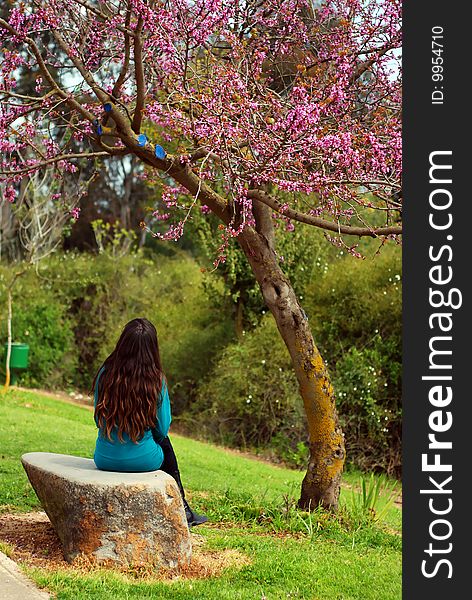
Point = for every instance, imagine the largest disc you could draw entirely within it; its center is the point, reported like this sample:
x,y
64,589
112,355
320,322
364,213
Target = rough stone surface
x,y
108,517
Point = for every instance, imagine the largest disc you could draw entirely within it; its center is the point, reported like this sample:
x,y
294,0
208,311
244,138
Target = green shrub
x,y
355,314
191,331
251,399
92,297
40,321
368,393
355,300
233,287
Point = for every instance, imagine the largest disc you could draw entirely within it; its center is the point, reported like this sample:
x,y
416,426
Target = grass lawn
x,y
250,503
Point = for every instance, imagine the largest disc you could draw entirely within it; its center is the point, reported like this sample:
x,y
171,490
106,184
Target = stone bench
x,y
108,517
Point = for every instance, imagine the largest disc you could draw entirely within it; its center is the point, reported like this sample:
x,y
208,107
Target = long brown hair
x,y
129,387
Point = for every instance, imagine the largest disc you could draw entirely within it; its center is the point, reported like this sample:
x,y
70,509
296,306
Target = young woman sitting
x,y
132,410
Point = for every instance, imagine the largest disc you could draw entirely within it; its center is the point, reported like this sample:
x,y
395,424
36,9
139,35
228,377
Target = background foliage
x,y
231,381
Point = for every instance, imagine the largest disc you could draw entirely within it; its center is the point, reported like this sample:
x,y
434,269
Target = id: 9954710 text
x,y
437,64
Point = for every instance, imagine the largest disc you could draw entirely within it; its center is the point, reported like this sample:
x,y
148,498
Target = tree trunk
x,y
238,319
9,340
125,208
321,484
9,323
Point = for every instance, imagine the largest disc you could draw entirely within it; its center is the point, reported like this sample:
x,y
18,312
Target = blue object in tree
x,y
159,152
99,129
142,139
107,107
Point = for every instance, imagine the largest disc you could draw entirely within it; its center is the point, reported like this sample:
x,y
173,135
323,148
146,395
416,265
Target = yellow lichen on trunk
x,y
322,481
326,438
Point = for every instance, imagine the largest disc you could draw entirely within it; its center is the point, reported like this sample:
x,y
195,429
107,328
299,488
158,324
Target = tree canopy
x,y
292,103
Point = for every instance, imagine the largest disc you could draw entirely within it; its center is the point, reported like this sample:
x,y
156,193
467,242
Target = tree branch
x,y
53,160
321,223
45,71
124,69
365,66
101,94
105,17
139,74
36,99
264,222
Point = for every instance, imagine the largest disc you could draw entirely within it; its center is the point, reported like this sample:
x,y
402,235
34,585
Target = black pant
x,y
170,465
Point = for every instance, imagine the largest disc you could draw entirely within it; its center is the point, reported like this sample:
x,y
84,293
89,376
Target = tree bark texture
x,y
321,484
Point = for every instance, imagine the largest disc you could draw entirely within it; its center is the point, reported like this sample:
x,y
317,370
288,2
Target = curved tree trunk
x,y
321,485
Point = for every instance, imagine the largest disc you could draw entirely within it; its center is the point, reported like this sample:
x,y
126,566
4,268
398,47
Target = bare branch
x,y
79,65
203,152
124,69
36,99
139,75
365,66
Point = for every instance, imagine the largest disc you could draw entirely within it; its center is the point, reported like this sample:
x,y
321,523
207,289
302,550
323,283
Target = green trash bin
x,y
19,355
18,359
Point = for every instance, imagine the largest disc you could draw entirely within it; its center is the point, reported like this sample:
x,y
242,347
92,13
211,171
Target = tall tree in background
x,y
278,109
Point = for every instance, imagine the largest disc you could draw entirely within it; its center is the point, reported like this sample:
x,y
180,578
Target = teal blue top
x,y
128,456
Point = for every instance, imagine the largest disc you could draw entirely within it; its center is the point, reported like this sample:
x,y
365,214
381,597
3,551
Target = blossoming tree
x,y
275,110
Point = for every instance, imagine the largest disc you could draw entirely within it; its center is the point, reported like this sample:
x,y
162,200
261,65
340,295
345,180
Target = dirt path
x,y
71,398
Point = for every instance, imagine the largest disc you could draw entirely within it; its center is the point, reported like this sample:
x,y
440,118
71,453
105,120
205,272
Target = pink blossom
x,y
321,135
9,194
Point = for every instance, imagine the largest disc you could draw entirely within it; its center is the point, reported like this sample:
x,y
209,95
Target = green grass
x,y
293,554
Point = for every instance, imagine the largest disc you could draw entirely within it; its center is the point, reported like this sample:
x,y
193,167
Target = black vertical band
x,y
437,324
